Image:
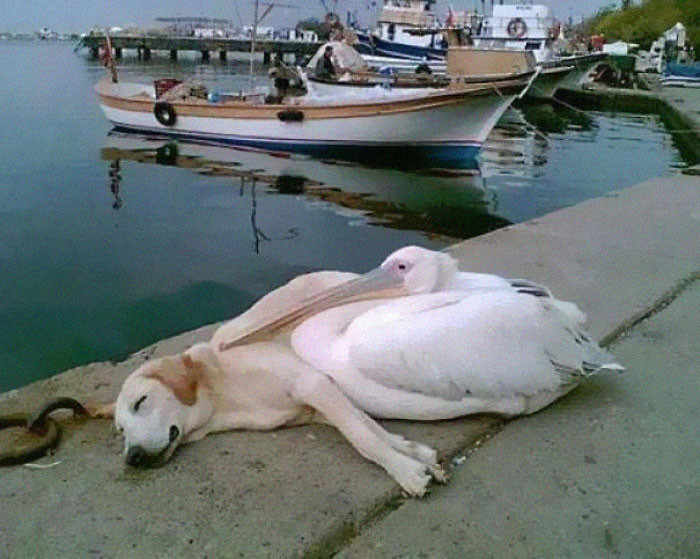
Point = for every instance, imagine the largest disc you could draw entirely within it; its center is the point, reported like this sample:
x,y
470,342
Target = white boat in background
x,y
444,128
392,35
532,28
409,32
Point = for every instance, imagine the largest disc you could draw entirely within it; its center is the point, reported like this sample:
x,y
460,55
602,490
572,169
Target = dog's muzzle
x,y
136,456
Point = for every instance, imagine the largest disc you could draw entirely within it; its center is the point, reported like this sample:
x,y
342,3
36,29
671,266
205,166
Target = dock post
x,y
205,56
117,53
173,54
266,57
222,55
95,52
146,53
139,54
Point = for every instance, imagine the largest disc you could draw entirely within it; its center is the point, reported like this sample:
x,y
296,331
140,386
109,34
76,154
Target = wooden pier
x,y
146,44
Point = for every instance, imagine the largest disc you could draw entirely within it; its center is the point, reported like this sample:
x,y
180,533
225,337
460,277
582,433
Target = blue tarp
x,y
683,70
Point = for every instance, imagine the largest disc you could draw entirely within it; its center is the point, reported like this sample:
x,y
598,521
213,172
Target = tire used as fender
x,y
290,115
165,113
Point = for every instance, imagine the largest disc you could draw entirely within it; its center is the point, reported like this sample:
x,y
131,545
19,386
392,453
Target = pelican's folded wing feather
x,y
451,344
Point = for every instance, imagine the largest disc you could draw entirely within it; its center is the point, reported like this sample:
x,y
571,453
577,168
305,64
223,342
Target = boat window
x,y
532,45
391,31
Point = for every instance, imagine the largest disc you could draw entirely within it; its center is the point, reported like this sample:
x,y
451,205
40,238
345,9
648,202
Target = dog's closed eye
x,y
138,403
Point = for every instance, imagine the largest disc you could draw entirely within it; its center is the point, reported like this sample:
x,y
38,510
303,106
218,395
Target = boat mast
x,y
253,37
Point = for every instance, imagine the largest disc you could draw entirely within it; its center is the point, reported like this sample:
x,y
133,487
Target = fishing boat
x,y
443,128
393,35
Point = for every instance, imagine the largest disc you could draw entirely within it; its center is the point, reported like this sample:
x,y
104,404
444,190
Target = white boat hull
x,y
431,130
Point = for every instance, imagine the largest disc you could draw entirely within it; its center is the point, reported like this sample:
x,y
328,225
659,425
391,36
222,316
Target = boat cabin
x,y
398,16
520,27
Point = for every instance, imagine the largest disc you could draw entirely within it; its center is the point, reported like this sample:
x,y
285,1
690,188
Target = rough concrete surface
x,y
305,490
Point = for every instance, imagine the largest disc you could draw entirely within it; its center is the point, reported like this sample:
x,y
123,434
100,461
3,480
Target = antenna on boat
x,y
254,32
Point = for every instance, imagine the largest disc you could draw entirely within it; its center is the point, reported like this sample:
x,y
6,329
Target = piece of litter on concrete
x,y
459,460
42,466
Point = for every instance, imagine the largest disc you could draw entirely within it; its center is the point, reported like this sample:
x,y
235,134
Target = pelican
x,y
418,339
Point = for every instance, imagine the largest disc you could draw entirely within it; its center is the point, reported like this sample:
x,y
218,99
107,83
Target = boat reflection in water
x,y
451,204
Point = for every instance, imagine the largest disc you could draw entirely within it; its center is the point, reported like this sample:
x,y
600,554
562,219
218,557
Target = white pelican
x,y
418,339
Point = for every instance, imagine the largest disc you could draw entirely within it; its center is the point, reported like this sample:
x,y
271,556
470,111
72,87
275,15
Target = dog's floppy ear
x,y
181,381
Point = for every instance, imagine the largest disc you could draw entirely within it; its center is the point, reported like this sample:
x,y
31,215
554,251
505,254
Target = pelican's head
x,y
409,271
420,270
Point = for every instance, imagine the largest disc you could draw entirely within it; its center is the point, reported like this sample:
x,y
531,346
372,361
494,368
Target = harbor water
x,y
110,242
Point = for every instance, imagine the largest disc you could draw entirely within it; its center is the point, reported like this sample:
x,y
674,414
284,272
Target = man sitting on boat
x,y
325,69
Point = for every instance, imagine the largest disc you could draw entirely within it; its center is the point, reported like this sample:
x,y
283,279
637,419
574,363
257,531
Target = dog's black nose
x,y
135,456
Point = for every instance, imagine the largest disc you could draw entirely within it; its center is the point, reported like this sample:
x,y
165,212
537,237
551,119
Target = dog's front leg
x,y
366,435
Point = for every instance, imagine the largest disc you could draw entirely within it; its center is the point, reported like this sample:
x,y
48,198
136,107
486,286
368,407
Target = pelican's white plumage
x,y
460,343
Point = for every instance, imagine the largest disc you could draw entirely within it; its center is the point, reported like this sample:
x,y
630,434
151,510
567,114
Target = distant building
x,y
46,33
304,35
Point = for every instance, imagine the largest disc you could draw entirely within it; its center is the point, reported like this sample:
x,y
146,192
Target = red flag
x,y
450,21
106,52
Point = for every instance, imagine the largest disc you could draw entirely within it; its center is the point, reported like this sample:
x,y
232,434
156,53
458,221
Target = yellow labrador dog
x,y
264,385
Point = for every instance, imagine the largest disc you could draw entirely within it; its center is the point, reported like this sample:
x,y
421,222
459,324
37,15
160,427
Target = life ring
x,y
517,28
165,113
290,115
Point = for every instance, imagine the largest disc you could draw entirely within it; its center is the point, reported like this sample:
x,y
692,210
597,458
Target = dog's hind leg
x,y
366,435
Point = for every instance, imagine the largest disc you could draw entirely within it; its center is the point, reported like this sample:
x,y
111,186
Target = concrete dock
x,y
609,471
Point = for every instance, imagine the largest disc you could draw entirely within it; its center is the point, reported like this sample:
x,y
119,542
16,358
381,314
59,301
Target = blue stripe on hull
x,y
399,50
417,156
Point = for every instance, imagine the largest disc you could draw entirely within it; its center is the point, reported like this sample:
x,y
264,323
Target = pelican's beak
x,y
377,284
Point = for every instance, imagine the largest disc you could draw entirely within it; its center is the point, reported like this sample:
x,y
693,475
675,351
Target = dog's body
x,y
258,386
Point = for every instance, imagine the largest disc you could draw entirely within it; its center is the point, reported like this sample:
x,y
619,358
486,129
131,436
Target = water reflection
x,y
445,204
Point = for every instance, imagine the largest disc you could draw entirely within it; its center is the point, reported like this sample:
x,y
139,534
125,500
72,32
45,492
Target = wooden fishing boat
x,y
441,128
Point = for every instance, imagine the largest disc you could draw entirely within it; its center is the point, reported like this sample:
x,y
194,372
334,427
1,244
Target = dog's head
x,y
162,402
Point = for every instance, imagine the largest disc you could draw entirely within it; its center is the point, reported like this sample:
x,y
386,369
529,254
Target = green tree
x,y
645,22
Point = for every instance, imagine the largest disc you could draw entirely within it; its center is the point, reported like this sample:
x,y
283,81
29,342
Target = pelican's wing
x,y
279,302
451,344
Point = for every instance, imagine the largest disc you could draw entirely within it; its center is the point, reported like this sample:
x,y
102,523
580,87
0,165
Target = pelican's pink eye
x,y
401,267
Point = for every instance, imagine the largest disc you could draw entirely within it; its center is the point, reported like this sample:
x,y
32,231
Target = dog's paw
x,y
414,483
438,472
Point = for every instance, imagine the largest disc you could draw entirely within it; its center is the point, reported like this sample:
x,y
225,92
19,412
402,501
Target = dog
x,y
180,399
